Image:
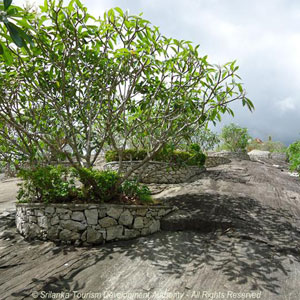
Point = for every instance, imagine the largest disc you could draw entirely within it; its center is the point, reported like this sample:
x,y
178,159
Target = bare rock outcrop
x,y
237,232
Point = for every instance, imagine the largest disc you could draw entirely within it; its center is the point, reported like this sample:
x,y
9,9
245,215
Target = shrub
x,y
234,138
293,153
128,154
197,159
193,157
56,184
98,185
133,189
47,184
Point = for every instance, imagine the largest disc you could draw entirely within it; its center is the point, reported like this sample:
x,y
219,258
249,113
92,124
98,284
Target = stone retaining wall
x,y
213,161
88,224
158,172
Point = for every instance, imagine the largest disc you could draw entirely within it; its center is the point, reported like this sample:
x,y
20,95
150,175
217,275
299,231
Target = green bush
x,y
293,153
197,156
193,157
98,185
128,154
47,184
56,184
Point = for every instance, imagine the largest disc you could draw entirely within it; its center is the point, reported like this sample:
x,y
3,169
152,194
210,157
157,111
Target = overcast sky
x,y
264,38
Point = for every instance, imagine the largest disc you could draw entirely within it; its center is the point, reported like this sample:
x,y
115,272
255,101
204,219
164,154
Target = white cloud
x,y
287,104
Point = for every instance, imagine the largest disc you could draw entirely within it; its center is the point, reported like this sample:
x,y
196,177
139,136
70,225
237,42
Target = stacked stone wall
x,y
158,172
88,224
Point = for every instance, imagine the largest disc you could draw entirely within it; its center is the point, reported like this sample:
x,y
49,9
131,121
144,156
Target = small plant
x,y
135,190
197,156
235,138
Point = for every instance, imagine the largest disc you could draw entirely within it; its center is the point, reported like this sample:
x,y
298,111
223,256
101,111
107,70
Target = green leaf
x,y
232,65
14,34
26,37
240,88
7,4
23,23
140,35
79,4
45,7
7,55
111,15
13,12
71,6
1,49
119,10
110,44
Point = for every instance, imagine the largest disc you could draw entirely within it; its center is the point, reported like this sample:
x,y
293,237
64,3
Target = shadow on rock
x,y
181,254
253,250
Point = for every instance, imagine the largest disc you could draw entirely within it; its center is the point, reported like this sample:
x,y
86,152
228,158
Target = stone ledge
x,y
88,224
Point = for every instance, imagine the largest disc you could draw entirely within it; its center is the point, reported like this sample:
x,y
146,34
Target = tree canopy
x,y
87,83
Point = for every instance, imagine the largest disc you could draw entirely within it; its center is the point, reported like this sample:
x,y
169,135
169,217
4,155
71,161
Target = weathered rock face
x,y
259,154
237,231
158,172
88,224
230,155
278,156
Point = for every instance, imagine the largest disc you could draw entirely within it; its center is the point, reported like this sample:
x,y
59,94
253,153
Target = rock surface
x,y
259,154
237,231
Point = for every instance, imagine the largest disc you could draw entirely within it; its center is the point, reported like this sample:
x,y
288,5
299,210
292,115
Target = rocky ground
x,y
237,231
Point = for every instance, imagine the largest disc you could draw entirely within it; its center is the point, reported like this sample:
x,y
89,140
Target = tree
x,y
205,138
235,138
106,82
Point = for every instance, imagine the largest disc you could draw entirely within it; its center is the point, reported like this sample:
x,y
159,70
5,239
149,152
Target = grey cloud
x,y
264,38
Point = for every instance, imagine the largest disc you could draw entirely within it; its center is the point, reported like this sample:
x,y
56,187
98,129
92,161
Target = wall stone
x,y
88,224
213,161
157,172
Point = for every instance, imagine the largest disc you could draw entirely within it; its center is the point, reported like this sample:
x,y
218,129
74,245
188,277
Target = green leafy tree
x,y
205,138
235,138
89,83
